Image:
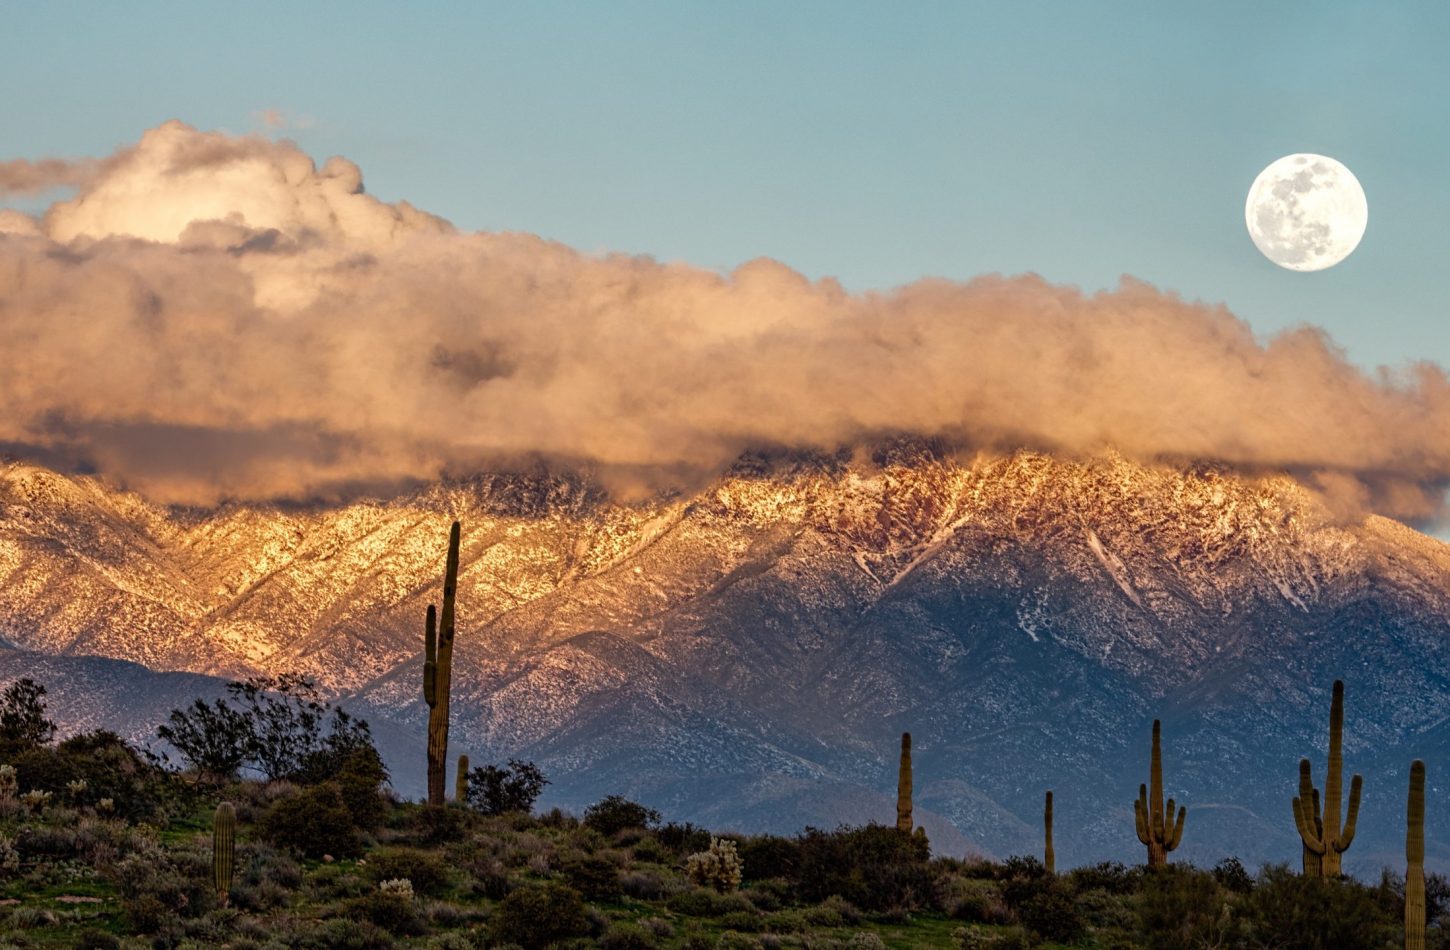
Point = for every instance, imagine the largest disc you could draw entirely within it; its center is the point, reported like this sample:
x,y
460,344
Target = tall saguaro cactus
x,y
460,781
1049,856
1321,831
1415,860
223,850
903,786
1156,827
438,673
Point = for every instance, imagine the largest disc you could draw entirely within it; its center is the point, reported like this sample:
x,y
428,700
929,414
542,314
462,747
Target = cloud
x,y
214,316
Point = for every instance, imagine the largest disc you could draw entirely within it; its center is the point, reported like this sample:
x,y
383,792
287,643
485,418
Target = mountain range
x,y
745,654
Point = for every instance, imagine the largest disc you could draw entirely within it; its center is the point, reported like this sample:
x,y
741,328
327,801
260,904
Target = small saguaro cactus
x,y
903,786
1415,860
460,781
1321,831
438,673
1156,827
1049,856
223,850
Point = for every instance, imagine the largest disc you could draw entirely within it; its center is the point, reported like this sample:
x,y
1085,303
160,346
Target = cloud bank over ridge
x,y
215,316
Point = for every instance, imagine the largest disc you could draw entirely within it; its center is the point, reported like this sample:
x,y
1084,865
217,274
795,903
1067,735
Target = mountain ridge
x,y
748,651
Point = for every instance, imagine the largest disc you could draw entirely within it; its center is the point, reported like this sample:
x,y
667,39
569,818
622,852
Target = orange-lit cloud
x,y
214,316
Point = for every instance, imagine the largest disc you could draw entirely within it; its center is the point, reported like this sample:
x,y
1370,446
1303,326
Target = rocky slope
x,y
746,654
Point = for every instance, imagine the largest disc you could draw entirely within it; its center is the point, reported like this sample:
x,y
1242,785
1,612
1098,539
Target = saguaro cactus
x,y
903,786
1321,832
1415,860
223,849
460,781
1156,827
438,673
1049,856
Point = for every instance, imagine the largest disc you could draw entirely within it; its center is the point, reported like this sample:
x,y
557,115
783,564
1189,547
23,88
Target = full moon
x,y
1306,212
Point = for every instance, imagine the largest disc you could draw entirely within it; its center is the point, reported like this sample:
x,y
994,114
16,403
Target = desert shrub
x,y
613,814
767,856
96,940
425,870
644,885
874,867
731,940
513,788
865,940
682,837
719,867
627,936
705,902
1107,911
341,933
973,901
359,781
1289,910
435,825
1111,876
649,849
1231,876
535,916
1180,906
315,822
834,911
591,875
159,886
1052,915
395,912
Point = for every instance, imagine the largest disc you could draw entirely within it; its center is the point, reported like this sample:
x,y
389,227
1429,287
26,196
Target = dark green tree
x,y
496,791
22,717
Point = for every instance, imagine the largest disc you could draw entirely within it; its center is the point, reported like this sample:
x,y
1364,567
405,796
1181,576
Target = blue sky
x,y
871,142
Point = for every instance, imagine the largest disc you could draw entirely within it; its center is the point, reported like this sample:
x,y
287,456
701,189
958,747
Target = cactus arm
x,y
1167,826
1312,841
1172,842
1351,819
1140,814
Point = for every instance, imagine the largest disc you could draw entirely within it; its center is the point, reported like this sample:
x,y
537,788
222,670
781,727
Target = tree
x,y
22,717
214,739
614,813
495,791
272,725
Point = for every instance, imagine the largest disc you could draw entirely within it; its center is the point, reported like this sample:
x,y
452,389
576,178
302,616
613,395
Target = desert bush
x,y
23,723
535,916
613,814
834,911
425,870
1231,875
973,901
495,790
719,867
1111,876
682,837
315,822
1181,906
645,885
393,911
1289,910
627,936
359,781
434,825
874,867
591,875
767,856
1052,915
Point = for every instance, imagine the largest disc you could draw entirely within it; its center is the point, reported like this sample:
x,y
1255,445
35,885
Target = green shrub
x,y
1289,910
593,876
396,914
359,782
425,869
768,856
315,822
626,936
615,813
1052,916
1181,906
535,916
874,867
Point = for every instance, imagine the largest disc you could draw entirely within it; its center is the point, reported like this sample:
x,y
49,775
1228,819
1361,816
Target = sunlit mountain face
x,y
746,653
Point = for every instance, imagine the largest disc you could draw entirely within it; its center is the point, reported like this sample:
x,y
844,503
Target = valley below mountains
x,y
746,655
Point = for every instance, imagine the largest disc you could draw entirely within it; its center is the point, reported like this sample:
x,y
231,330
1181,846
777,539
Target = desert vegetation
x,y
104,846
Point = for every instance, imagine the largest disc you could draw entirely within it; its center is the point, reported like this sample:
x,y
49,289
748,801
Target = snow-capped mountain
x,y
747,654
